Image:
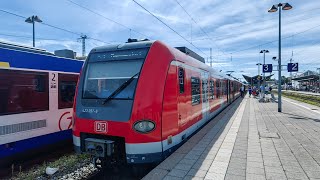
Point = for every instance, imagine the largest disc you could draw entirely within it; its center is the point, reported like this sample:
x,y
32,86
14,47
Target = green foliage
x,y
313,100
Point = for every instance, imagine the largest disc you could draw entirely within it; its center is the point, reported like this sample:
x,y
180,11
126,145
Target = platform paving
x,y
250,140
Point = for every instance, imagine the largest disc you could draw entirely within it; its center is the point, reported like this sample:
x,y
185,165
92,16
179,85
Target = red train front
x,y
136,102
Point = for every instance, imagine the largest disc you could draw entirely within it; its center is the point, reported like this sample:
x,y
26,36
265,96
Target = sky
x,y
235,30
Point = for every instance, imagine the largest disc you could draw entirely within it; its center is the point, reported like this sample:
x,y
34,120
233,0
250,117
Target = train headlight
x,y
144,126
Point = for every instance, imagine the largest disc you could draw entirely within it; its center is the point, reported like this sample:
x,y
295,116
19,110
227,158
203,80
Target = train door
x,y
182,99
204,92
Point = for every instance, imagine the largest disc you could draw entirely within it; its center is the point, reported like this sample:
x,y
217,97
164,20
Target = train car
x,y
36,99
137,102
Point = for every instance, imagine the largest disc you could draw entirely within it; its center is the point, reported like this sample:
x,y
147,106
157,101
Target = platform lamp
x,y
275,8
258,77
33,19
264,75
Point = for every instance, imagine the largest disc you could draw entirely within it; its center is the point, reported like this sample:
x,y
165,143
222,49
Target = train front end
x,y
117,112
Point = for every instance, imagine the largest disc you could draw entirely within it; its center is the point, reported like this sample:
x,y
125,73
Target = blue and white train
x,y
36,98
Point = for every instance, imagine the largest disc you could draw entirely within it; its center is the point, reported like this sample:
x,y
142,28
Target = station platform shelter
x,y
308,81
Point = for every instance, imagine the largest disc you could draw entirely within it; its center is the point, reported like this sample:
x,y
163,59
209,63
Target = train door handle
x,y
179,116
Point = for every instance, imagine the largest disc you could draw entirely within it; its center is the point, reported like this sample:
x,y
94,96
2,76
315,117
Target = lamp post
x,y
33,19
275,8
264,76
258,77
318,80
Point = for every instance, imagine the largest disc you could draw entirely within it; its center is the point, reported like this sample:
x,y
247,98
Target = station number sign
x,y
266,68
293,67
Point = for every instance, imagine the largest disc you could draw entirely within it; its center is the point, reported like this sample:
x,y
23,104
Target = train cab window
x,y
211,89
181,80
195,90
67,86
23,91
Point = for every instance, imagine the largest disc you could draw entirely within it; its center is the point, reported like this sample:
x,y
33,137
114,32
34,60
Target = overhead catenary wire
x,y
28,37
109,19
203,31
52,26
168,26
295,34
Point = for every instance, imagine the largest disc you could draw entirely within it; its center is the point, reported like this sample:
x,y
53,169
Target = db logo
x,y
100,127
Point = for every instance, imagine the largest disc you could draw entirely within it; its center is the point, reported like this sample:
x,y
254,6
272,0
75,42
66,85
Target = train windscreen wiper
x,y
120,88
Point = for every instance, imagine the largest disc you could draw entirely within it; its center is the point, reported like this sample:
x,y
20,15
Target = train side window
x,y
218,88
195,90
67,87
211,89
181,80
23,91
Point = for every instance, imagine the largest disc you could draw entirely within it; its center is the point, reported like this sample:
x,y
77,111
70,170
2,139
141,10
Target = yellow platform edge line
x,y
4,64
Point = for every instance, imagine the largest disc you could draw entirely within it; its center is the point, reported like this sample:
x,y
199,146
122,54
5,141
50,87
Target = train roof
x,y
178,52
23,48
25,59
123,46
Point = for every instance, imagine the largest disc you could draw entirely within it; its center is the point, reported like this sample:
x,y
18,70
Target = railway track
x,y
31,159
123,173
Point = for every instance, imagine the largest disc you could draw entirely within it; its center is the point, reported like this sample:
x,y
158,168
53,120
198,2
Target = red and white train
x,y
137,102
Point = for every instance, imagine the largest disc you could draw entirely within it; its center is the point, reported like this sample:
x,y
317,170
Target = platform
x,y
250,140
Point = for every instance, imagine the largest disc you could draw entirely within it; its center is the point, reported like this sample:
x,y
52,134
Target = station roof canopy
x,y
256,78
307,76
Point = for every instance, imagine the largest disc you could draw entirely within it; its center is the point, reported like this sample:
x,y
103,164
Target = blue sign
x,y
267,68
293,67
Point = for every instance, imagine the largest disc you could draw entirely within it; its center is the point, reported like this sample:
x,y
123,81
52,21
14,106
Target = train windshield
x,y
103,78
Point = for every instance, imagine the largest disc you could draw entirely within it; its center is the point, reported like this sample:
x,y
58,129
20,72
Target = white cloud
x,y
233,25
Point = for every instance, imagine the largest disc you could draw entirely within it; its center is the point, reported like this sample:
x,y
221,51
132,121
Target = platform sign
x,y
267,68
293,67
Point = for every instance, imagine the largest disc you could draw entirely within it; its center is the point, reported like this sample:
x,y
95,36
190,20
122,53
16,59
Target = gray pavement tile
x,y
254,170
237,165
271,163
201,166
156,174
188,161
214,176
294,175
183,166
311,168
313,174
251,154
192,156
255,177
272,169
237,160
290,163
218,167
296,169
240,151
255,164
192,178
254,159
241,156
177,173
274,176
236,171
197,173
234,177
172,178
